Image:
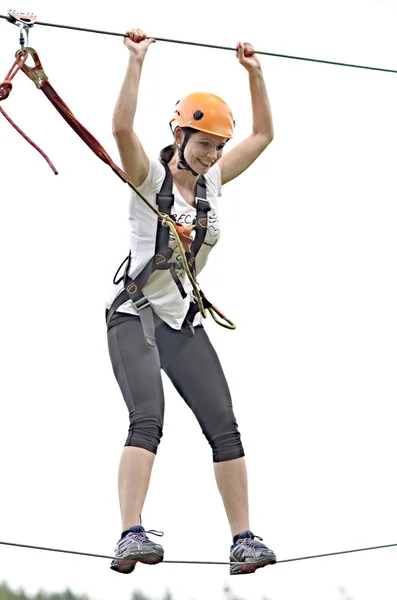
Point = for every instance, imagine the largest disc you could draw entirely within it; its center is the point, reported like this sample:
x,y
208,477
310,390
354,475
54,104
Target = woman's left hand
x,y
246,56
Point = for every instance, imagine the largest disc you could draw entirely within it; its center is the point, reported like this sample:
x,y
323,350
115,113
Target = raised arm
x,y
133,157
237,160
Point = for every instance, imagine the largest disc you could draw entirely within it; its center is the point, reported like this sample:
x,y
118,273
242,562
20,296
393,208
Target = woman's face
x,y
203,150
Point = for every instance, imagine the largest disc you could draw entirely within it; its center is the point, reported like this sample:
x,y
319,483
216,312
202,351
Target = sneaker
x,y
249,554
136,547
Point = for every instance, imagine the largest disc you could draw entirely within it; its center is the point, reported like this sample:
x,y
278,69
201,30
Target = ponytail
x,y
167,153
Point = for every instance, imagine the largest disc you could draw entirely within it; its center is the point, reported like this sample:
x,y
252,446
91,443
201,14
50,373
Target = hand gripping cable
x,y
40,79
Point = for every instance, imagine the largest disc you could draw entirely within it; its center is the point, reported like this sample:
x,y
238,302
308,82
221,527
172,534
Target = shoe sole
x,y
119,566
247,568
151,558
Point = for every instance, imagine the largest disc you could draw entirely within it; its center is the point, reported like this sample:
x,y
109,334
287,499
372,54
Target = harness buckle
x,y
141,304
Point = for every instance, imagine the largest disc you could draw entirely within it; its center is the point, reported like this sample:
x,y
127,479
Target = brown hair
x,y
168,152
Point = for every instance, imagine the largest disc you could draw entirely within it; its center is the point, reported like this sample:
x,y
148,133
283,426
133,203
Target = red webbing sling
x,y
37,75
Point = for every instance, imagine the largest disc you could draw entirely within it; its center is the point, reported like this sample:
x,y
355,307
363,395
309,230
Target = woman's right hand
x,y
137,42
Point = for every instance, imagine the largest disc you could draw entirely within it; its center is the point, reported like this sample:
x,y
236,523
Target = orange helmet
x,y
204,112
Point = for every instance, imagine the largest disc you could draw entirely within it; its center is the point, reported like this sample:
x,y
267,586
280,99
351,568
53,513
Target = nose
x,y
212,153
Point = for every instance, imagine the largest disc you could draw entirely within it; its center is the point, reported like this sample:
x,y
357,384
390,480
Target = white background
x,y
306,268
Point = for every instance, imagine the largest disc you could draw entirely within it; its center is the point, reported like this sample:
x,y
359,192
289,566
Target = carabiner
x,y
36,73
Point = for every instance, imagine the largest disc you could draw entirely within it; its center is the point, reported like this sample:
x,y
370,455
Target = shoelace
x,y
142,537
250,541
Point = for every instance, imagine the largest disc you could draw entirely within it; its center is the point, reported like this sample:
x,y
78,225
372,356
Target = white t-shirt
x,y
160,289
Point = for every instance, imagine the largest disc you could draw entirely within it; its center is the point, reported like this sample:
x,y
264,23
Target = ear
x,y
178,136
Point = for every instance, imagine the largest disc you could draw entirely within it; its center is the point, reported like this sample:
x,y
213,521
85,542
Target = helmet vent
x,y
197,115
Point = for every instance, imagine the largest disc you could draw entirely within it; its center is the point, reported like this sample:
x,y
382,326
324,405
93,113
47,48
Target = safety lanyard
x,y
40,79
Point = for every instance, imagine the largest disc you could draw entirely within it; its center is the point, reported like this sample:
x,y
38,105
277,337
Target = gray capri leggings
x,y
192,365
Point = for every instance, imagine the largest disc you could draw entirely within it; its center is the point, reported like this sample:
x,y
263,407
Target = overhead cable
x,y
214,47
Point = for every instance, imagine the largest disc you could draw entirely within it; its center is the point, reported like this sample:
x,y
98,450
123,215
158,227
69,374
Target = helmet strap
x,y
182,163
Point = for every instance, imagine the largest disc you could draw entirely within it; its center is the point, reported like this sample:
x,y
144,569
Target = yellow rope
x,y
230,324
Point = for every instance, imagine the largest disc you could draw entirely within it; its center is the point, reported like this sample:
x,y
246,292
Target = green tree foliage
x,y
7,594
137,595
229,594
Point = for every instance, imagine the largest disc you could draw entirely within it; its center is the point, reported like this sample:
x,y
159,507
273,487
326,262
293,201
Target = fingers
x,y
245,50
138,35
248,49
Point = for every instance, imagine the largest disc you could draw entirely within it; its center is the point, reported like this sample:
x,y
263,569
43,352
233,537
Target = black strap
x,y
202,208
194,309
178,282
142,305
133,287
201,188
165,201
126,260
201,226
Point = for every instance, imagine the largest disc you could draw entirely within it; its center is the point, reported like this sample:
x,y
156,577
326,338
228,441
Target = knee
x,y
145,432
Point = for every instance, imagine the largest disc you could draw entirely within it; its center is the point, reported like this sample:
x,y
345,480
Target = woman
x,y
160,327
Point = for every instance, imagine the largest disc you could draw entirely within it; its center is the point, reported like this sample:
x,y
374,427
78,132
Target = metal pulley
x,y
24,21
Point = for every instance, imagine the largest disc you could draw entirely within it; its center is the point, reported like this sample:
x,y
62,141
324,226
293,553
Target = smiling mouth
x,y
205,164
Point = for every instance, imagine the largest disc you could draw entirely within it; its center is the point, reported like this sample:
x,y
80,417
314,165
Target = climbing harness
x,y
163,255
187,248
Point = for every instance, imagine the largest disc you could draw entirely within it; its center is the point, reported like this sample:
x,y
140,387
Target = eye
x,y
204,143
221,147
